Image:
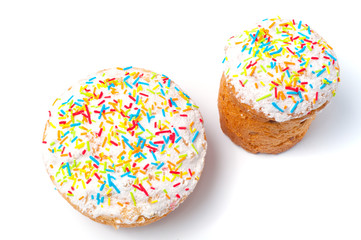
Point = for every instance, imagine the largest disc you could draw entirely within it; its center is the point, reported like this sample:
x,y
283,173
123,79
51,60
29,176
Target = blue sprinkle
x,y
75,124
141,127
278,51
130,86
130,146
62,111
136,80
239,65
102,186
288,73
127,68
68,167
300,24
330,56
144,83
177,140
250,50
276,106
91,79
166,139
161,90
176,133
94,160
255,37
143,156
151,143
111,85
65,134
320,72
303,35
160,165
195,136
294,107
244,48
268,49
125,174
155,158
111,184
302,50
74,139
322,86
224,59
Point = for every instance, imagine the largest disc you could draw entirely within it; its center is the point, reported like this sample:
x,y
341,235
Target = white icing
x,y
236,54
145,205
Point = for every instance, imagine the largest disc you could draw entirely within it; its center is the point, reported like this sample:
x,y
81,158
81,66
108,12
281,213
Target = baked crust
x,y
252,130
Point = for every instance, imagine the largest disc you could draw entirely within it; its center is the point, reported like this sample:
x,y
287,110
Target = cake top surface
x,y
281,68
125,143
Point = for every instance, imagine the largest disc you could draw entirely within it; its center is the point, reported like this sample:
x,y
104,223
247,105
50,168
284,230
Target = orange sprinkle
x,y
256,85
171,163
180,160
281,95
270,74
55,101
81,198
105,140
270,26
62,141
306,97
120,204
253,69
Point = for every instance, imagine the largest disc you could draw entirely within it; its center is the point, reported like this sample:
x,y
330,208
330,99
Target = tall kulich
x,y
277,76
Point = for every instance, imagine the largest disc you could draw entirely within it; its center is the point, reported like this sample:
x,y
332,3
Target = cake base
x,y
252,130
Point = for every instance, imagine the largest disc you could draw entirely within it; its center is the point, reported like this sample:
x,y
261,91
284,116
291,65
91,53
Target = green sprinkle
x,y
265,96
131,194
194,149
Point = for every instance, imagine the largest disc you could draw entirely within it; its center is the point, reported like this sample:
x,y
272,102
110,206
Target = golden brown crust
x,y
252,130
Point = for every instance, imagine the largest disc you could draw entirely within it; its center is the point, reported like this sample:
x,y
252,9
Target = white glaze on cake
x,y
278,54
156,117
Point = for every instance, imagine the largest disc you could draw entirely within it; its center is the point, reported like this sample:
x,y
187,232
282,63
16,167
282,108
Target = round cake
x,y
277,76
124,146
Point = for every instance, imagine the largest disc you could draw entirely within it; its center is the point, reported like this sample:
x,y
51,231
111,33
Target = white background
x,y
312,191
